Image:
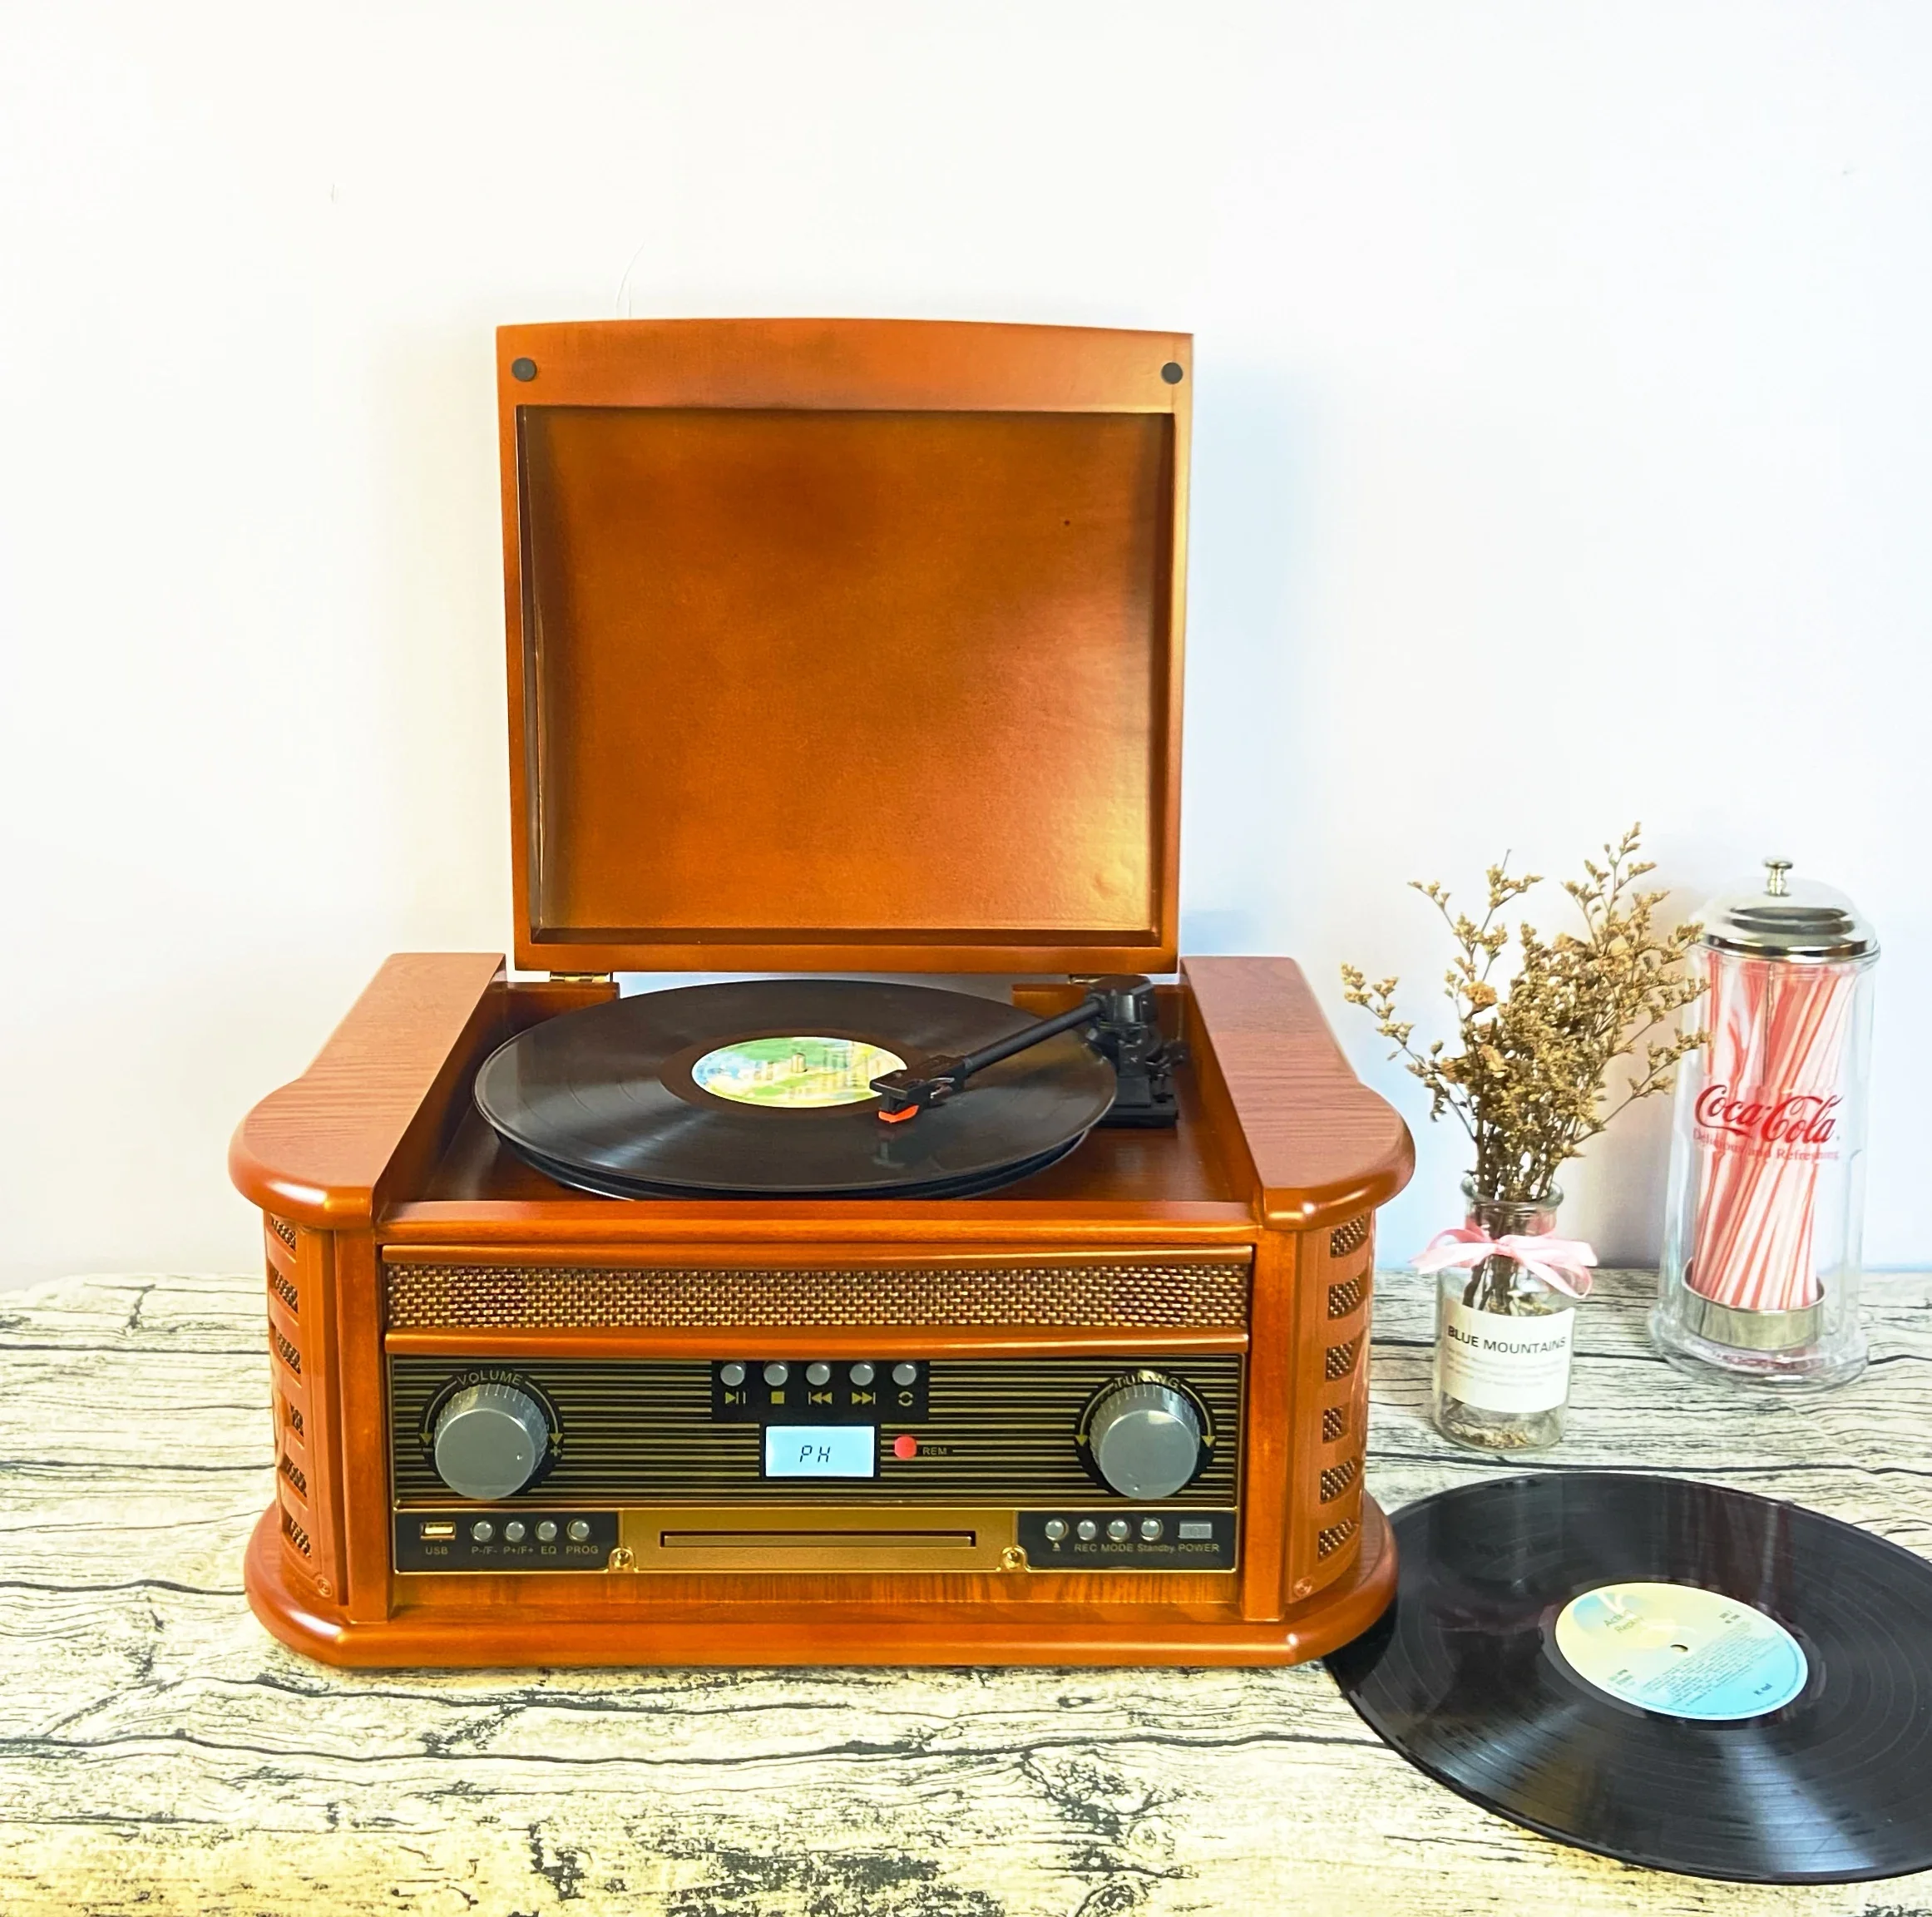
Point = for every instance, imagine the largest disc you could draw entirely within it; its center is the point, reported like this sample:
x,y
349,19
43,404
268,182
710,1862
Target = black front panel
x,y
977,1431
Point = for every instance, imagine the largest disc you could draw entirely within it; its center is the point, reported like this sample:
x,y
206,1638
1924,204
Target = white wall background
x,y
1563,457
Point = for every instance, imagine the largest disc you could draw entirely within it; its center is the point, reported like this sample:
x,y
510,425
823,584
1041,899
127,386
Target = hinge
x,y
580,978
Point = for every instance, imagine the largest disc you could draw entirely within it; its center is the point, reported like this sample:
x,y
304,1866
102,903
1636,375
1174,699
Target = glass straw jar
x,y
1765,1215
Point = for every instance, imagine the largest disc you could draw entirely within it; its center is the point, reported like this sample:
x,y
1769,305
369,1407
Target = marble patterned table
x,y
159,1754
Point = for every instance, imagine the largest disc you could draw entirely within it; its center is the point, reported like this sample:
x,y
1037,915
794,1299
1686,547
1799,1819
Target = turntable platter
x,y
760,1088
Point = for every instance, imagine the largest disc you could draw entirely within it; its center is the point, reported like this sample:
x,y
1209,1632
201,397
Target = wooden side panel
x,y
1324,1148
318,1151
1334,1280
304,1367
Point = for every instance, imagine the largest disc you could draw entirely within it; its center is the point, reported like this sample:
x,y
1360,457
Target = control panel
x,y
1084,1463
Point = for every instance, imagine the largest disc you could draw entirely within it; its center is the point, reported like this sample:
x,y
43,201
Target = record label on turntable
x,y
798,1073
1681,1649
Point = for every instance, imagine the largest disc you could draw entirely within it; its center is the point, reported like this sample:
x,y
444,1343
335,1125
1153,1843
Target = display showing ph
x,y
821,1450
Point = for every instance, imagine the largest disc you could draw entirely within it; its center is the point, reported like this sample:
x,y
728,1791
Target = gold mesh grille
x,y
285,1351
1328,1542
1337,1478
1338,1360
294,1534
1350,1237
1334,1423
431,1296
293,1416
285,1292
283,1230
295,1475
1344,1297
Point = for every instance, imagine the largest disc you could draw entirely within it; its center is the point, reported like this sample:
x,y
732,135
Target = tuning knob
x,y
1144,1437
490,1439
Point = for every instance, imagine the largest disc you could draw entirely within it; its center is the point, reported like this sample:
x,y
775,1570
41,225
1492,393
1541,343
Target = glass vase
x,y
1502,1338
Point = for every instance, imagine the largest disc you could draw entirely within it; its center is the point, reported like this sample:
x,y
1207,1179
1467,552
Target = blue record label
x,y
1682,1650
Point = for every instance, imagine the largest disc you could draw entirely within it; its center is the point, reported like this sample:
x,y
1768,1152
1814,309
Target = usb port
x,y
438,1530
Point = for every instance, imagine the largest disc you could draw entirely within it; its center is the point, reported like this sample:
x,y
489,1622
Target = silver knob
x,y
1145,1438
490,1439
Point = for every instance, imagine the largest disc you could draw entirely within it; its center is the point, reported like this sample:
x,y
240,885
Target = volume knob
x,y
1145,1438
490,1439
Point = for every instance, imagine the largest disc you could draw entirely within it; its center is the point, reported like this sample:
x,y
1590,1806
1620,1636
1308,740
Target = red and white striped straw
x,y
1777,1035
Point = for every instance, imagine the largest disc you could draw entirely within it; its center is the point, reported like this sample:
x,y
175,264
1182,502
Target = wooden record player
x,y
834,647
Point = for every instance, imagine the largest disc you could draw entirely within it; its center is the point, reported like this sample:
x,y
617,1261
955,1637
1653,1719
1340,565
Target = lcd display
x,y
821,1450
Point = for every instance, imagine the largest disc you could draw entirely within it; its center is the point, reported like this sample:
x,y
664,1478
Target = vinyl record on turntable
x,y
761,1089
1670,1674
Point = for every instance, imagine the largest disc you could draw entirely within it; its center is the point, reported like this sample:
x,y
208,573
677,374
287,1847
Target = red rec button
x,y
905,1445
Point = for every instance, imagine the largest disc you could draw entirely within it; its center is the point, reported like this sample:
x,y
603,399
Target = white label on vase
x,y
1499,1362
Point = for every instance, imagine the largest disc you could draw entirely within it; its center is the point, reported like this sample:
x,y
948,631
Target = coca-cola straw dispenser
x,y
1760,1254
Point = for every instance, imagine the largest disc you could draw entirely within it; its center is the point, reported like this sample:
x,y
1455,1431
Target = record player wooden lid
x,y
844,644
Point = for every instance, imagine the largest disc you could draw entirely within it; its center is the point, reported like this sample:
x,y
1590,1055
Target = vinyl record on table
x,y
759,1088
1770,1724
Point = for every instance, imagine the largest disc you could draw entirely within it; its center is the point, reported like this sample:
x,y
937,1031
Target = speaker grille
x,y
524,1297
1328,1542
285,1351
1344,1297
283,1230
295,1534
1334,1423
285,1291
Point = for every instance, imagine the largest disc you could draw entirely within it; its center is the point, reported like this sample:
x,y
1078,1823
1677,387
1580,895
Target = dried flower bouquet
x,y
1527,1077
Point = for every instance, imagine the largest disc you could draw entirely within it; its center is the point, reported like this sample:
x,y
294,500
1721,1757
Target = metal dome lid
x,y
1788,921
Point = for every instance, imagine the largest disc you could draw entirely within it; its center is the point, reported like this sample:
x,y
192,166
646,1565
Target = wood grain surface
x,y
159,1754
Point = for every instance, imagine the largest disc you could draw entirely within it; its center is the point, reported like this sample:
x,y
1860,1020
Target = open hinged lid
x,y
847,645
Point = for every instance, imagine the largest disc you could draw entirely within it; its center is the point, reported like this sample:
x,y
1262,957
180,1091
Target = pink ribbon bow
x,y
1561,1263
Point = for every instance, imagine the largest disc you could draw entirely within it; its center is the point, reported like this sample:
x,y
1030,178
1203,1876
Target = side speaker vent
x,y
1344,1297
1334,1423
285,1292
1350,1237
1329,1542
1338,1360
295,1534
293,1358
298,1478
283,1230
1337,1478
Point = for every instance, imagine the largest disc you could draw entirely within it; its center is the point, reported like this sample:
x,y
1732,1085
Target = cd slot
x,y
688,1537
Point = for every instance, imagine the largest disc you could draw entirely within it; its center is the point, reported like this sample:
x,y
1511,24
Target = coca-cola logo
x,y
1789,1118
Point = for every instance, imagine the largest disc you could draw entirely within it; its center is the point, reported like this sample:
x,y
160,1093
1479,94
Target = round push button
x,y
513,1532
1086,1531
482,1530
777,1374
818,1374
1117,1530
905,1374
1056,1529
861,1375
547,1532
732,1375
1150,1529
579,1531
